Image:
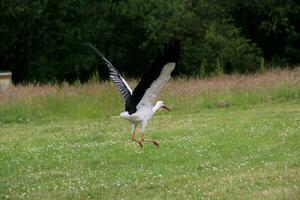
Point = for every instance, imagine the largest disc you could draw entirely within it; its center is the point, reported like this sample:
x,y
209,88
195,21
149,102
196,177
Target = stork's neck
x,y
156,107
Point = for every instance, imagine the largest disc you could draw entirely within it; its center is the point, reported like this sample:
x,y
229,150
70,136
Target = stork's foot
x,y
140,143
152,141
155,143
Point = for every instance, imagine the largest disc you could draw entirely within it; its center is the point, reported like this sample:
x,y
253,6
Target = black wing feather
x,y
170,54
115,76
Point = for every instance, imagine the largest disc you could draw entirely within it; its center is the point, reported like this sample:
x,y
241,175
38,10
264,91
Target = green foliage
x,y
44,41
262,66
202,69
272,25
219,69
94,78
235,53
292,50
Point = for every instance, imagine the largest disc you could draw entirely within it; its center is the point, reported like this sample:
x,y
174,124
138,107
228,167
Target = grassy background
x,y
230,137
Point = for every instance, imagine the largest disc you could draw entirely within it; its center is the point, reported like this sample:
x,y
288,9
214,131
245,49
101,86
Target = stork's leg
x,y
143,126
133,135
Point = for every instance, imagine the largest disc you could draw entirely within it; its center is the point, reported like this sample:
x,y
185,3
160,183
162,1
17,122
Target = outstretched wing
x,y
158,74
151,93
122,85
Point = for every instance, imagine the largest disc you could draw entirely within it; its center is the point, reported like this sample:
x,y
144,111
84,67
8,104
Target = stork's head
x,y
161,104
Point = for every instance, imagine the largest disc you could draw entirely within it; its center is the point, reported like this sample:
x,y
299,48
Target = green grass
x,y
223,144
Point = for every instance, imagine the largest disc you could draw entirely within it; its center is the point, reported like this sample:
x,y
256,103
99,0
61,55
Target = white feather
x,y
152,91
126,84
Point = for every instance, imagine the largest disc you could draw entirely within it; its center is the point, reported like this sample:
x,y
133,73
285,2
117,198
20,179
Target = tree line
x,y
45,41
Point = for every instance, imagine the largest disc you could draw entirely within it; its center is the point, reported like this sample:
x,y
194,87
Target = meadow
x,y
227,137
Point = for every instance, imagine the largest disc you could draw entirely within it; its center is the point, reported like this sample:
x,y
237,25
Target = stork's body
x,y
141,117
139,104
143,113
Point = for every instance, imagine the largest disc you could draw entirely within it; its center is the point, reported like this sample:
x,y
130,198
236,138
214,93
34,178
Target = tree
x,y
272,24
44,41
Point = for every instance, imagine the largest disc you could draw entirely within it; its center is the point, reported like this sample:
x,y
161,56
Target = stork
x,y
139,103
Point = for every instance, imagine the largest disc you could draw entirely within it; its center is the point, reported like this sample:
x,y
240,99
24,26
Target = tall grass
x,y
26,103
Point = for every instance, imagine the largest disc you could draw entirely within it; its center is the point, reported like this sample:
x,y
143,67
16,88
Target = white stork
x,y
139,102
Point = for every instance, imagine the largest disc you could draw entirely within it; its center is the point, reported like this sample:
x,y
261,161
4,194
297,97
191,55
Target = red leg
x,y
133,136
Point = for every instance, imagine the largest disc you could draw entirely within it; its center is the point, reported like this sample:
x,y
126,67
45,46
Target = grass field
x,y
230,137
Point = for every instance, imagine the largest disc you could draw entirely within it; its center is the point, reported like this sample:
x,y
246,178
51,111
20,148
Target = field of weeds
x,y
228,137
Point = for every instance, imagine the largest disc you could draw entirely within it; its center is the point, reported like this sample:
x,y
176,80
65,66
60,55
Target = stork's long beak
x,y
165,107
